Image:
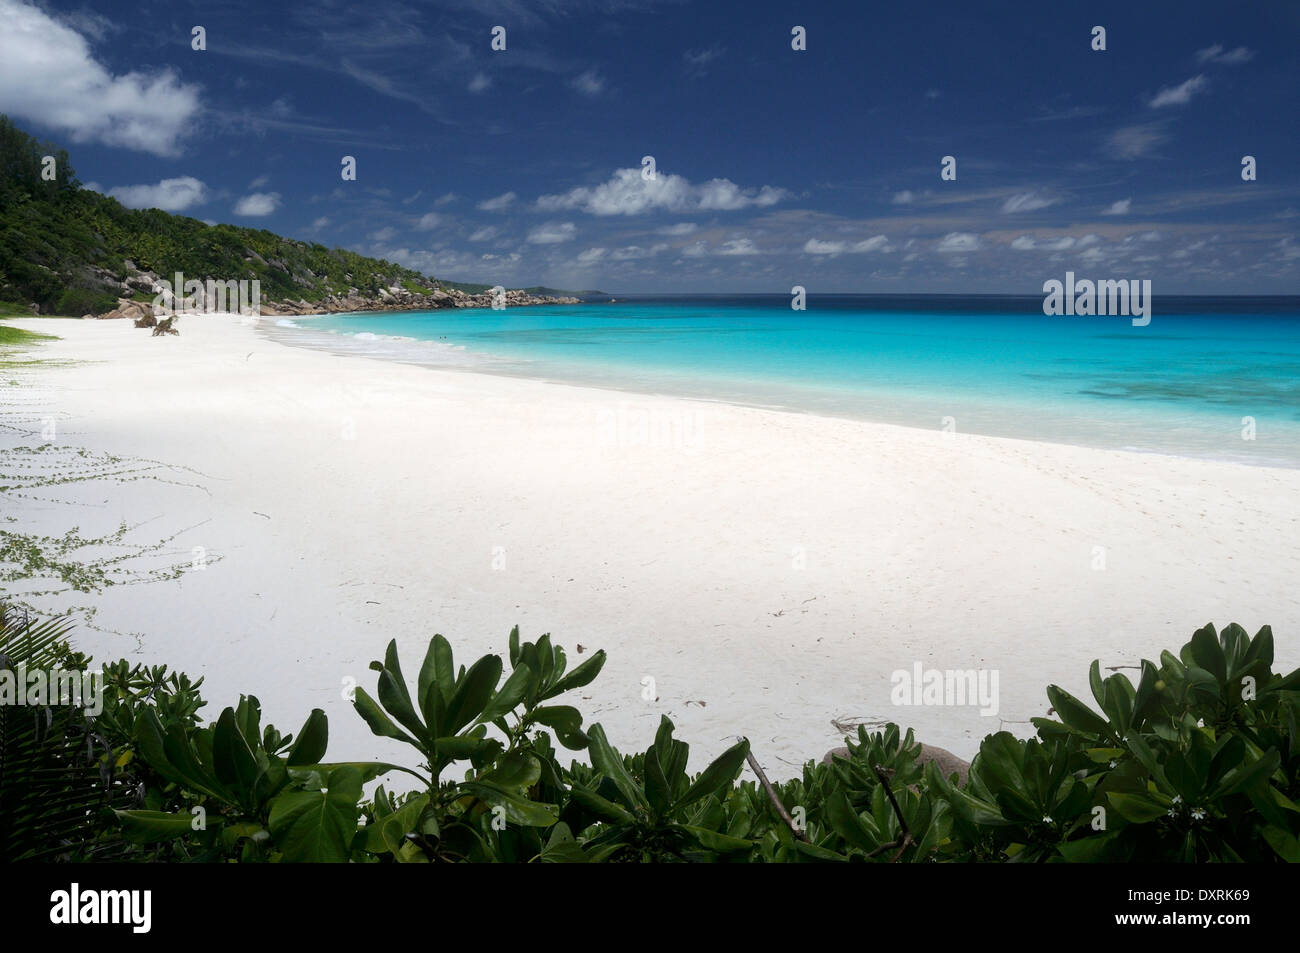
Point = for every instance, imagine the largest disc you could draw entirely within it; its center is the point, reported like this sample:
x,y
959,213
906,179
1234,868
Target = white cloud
x,y
445,199
429,221
258,204
1117,208
1179,95
170,195
320,222
903,198
697,61
1133,142
552,233
1061,243
49,76
631,252
958,242
385,234
498,204
815,246
484,234
628,193
681,228
1216,54
738,246
260,182
1027,202
480,83
591,255
589,83
92,24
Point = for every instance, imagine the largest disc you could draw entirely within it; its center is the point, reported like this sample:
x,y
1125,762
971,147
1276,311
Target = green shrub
x,y
1196,762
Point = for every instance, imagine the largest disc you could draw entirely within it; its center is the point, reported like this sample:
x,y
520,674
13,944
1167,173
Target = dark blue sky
x,y
773,167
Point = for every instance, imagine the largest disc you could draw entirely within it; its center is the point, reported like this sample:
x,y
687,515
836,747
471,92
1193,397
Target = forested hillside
x,y
68,250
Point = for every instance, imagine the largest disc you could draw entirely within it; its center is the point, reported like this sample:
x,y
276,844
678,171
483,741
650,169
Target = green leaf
x,y
846,822
1284,844
1242,778
610,763
712,840
1076,714
316,776
565,721
509,695
379,722
153,827
312,740
717,775
395,696
584,674
435,682
1138,808
599,805
472,694
388,833
233,759
518,769
1206,652
517,809
318,826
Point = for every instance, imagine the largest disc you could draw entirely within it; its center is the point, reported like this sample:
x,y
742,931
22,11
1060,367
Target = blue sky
x,y
773,167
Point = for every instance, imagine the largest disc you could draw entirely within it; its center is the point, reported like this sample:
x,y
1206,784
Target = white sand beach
x,y
769,571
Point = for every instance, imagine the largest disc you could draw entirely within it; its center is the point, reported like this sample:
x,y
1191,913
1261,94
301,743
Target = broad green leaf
x,y
599,805
584,674
718,775
153,827
712,840
565,721
1138,808
472,694
312,741
509,695
517,809
1076,714
610,763
379,722
318,826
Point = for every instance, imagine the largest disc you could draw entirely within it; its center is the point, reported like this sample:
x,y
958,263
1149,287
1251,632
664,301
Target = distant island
x,y
68,250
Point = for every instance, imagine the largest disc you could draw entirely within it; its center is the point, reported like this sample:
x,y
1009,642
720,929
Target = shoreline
x,y
769,569
785,397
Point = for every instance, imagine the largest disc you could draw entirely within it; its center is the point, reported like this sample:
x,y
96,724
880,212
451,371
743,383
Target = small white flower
x,y
1047,820
1113,762
1198,814
1178,799
1172,812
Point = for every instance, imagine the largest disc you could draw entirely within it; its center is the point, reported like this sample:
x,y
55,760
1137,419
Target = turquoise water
x,y
998,366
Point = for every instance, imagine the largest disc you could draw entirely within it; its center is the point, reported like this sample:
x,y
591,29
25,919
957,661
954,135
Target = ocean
x,y
1214,378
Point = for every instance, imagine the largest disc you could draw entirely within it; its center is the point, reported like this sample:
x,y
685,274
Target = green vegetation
x,y
13,337
67,249
1199,761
